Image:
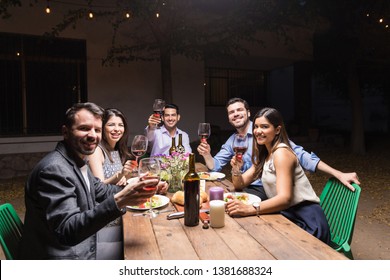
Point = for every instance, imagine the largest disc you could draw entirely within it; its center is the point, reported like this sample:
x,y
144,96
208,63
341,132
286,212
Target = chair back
x,y
340,206
11,228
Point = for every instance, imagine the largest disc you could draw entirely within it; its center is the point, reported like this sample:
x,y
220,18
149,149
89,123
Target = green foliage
x,y
193,28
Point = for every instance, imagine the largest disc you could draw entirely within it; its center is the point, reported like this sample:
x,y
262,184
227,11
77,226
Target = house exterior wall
x,y
132,88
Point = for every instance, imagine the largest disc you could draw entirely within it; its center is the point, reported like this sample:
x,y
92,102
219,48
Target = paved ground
x,y
371,240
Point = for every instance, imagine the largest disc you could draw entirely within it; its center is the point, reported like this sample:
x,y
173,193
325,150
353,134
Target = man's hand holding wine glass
x,y
149,168
153,121
158,108
134,193
204,149
204,132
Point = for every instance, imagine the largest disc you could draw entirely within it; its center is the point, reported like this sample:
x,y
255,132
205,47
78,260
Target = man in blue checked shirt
x,y
239,117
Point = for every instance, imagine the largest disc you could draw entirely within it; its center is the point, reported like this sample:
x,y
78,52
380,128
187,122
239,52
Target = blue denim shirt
x,y
307,160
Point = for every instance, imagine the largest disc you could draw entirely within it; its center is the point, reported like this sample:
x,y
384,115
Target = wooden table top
x,y
267,237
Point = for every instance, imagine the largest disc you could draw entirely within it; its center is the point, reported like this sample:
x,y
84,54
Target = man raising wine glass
x,y
160,138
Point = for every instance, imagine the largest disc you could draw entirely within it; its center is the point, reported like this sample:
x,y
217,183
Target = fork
x,y
156,212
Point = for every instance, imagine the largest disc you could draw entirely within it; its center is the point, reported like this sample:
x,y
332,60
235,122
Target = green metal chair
x,y
11,228
340,206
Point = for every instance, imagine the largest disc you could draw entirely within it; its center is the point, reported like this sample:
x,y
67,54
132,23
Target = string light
x,y
128,14
77,4
47,10
378,19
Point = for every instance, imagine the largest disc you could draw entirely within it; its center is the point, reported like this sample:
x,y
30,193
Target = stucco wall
x,y
133,87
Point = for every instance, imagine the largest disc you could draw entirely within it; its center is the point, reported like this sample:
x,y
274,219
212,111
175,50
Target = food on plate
x,y
204,175
156,202
178,197
211,176
242,197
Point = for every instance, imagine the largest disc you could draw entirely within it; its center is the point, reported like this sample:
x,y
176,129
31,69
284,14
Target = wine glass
x,y
149,168
240,145
158,107
204,131
139,146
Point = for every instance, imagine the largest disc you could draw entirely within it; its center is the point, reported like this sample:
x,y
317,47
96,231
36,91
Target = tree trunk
x,y
166,75
357,136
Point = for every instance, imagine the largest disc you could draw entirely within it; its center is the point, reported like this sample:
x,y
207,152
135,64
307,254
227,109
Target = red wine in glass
x,y
240,145
204,131
149,168
157,114
240,151
138,153
149,177
203,137
158,107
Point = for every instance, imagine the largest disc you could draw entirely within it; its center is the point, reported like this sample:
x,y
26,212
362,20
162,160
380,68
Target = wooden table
x,y
267,237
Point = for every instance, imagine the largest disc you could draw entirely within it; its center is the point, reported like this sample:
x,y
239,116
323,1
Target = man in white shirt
x,y
160,138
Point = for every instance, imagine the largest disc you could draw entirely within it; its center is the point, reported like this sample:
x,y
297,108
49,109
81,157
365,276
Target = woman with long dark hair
x,y
110,160
110,164
285,183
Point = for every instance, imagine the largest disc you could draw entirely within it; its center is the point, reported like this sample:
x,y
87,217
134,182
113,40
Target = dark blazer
x,y
62,213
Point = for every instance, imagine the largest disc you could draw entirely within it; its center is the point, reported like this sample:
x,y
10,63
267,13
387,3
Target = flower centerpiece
x,y
173,168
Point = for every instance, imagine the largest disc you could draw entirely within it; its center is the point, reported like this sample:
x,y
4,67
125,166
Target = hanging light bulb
x,y
157,15
367,14
380,20
47,10
127,15
90,15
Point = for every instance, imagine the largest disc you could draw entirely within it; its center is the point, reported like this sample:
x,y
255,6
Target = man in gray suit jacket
x,y
65,204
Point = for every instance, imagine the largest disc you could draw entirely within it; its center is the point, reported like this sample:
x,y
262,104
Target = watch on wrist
x,y
256,205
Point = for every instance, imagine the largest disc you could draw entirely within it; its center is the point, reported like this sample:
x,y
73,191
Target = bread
x,y
178,197
203,197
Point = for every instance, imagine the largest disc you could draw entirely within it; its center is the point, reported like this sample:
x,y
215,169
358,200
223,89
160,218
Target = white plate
x,y
251,197
213,176
162,199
